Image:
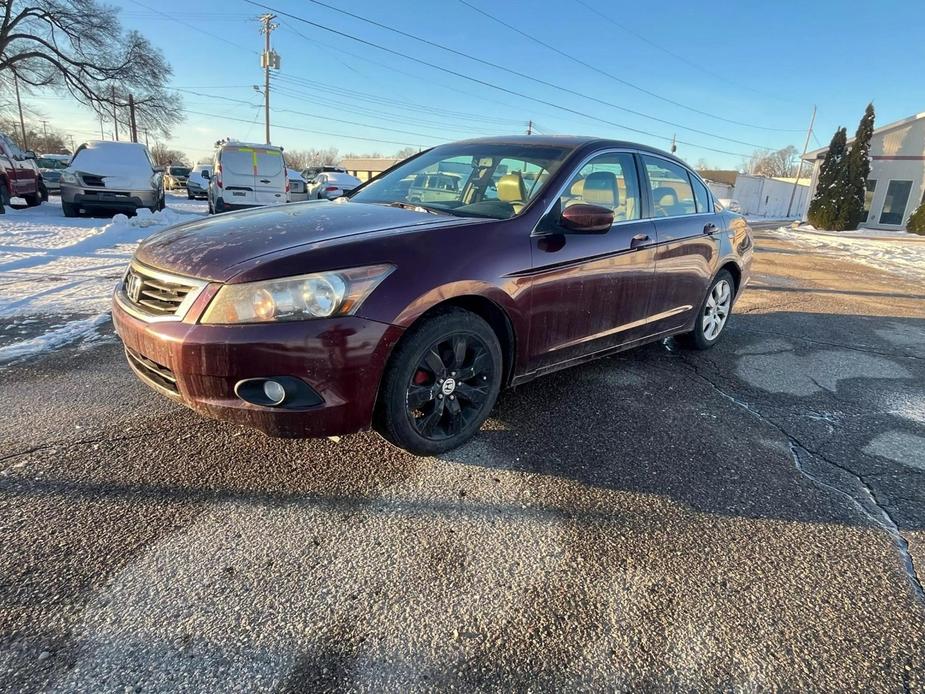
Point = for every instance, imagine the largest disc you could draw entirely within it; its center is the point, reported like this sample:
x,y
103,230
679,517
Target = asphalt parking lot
x,y
748,518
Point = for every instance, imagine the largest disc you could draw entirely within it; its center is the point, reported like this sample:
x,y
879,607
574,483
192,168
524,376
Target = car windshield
x,y
179,171
469,180
49,163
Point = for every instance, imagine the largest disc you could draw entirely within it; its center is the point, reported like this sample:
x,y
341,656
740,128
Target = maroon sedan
x,y
323,318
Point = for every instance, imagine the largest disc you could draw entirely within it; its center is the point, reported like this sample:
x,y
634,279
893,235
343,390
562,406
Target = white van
x,y
247,175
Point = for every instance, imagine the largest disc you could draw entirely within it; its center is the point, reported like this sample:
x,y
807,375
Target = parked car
x,y
330,185
50,167
298,188
247,175
108,176
175,177
312,171
19,175
433,187
321,319
197,183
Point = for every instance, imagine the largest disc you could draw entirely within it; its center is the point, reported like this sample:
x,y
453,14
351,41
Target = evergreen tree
x,y
851,215
916,223
830,189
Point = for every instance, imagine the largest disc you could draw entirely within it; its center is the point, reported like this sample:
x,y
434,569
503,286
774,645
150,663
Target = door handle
x,y
710,228
264,180
639,240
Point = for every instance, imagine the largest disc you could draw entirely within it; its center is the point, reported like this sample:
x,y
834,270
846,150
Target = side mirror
x,y
587,219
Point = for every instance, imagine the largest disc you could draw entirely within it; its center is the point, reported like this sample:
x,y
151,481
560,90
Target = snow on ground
x,y
51,265
900,255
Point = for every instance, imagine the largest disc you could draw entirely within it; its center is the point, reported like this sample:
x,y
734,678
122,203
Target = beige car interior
x,y
604,189
511,189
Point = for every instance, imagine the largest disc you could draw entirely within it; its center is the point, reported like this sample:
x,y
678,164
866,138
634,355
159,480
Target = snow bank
x,y
50,264
52,340
898,257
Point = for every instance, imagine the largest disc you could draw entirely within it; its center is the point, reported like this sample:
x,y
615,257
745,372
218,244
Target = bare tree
x,y
406,152
79,46
297,159
44,140
781,164
164,155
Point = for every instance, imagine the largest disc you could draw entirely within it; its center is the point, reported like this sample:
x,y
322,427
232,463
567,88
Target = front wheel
x,y
714,313
440,384
70,209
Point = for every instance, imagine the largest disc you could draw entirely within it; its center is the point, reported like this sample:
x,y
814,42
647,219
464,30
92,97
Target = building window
x,y
869,197
894,205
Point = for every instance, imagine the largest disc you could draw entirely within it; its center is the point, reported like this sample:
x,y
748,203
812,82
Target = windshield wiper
x,y
418,208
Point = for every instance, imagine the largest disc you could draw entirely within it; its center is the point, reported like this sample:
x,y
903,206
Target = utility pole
x,y
22,123
115,115
131,111
146,138
102,134
674,144
796,182
529,127
45,134
269,59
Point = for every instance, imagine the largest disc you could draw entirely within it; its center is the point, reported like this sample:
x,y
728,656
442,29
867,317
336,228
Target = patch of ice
x,y
53,339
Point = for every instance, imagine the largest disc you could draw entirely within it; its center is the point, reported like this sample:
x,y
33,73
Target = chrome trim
x,y
626,326
179,314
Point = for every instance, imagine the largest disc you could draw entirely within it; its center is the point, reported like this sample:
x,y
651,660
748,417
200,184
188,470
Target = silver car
x,y
330,185
119,176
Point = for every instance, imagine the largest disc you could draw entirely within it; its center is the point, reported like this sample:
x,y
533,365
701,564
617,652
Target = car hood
x,y
214,248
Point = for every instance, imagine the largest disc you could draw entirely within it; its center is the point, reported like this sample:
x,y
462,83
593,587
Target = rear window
x,y
179,171
244,161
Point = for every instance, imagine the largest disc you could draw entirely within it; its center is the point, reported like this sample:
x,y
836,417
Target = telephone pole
x,y
131,110
22,123
529,127
269,59
115,115
796,182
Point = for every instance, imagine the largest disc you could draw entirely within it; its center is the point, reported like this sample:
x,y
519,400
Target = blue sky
x,y
763,65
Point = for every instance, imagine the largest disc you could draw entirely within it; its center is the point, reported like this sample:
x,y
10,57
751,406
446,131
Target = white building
x,y
896,185
762,196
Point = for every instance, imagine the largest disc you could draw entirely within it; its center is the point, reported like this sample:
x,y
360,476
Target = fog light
x,y
274,391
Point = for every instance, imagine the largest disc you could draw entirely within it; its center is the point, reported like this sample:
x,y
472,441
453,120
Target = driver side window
x,y
608,180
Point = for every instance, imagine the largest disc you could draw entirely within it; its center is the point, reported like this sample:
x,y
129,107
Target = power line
x,y
194,27
306,130
531,78
622,81
494,86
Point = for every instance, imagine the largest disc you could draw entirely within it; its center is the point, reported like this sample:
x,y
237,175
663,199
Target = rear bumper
x,y
341,359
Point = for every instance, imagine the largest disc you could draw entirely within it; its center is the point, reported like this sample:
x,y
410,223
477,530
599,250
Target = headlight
x,y
68,177
319,295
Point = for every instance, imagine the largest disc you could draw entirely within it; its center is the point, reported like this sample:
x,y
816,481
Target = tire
x,y
219,206
33,200
43,191
189,195
711,322
70,209
161,204
425,367
209,201
4,196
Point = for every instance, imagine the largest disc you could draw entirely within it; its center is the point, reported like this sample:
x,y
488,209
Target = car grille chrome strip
x,y
153,295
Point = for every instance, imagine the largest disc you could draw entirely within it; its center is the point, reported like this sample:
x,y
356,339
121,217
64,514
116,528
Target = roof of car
x,y
570,141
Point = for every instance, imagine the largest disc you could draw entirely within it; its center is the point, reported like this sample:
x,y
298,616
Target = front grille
x,y
158,294
151,372
92,180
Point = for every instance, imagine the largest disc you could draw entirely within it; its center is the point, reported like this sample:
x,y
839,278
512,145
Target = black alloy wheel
x,y
448,390
441,383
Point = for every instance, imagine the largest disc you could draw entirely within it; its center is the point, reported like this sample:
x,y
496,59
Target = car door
x,y
18,172
592,291
688,245
269,177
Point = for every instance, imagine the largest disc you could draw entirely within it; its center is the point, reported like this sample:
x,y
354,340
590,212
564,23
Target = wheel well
x,y
497,319
736,273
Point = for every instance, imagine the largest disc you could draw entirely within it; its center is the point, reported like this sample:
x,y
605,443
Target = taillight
x,y
218,175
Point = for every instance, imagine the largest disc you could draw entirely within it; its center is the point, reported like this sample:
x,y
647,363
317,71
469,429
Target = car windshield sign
x,y
493,180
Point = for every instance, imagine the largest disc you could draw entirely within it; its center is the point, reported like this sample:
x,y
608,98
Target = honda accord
x,y
410,312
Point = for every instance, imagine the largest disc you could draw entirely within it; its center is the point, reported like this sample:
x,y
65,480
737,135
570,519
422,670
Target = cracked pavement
x,y
747,518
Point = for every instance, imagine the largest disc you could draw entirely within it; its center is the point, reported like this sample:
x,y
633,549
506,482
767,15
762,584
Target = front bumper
x,y
342,359
108,198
